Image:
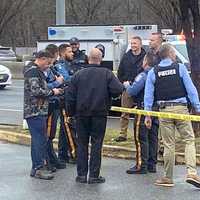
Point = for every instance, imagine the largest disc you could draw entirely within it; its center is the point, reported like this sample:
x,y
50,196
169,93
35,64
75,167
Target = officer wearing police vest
x,y
170,85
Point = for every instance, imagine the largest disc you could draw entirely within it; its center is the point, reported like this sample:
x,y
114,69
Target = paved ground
x,y
15,183
12,103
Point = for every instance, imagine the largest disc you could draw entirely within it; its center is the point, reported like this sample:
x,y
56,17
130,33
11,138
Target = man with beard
x,y
67,134
80,59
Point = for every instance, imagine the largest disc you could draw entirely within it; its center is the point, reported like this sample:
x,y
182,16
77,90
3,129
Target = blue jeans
x,y
38,130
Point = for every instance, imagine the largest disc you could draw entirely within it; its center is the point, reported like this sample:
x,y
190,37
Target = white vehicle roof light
x,y
118,28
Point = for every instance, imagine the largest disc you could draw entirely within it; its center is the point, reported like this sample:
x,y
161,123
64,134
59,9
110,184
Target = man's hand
x,y
148,122
57,91
60,79
126,84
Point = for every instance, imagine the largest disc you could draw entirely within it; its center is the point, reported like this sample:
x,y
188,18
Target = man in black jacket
x,y
80,59
130,66
89,98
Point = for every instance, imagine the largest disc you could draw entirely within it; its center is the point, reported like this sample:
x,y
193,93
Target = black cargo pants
x,y
90,130
146,141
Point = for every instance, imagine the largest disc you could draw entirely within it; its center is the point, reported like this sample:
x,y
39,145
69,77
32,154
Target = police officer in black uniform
x,y
88,98
79,57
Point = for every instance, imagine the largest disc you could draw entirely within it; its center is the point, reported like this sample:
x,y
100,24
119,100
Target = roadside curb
x,y
108,150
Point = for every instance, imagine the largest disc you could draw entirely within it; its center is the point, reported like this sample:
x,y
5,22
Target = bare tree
x,y
191,21
9,10
29,24
167,11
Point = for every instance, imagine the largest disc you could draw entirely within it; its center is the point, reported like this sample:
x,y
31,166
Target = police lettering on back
x,y
167,73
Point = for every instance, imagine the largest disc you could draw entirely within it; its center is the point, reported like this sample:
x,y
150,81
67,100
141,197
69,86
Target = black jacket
x,y
130,66
90,91
79,61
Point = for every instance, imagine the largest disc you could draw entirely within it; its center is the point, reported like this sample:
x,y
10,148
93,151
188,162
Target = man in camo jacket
x,y
36,94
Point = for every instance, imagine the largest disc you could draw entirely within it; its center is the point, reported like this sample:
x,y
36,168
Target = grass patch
x,y
111,134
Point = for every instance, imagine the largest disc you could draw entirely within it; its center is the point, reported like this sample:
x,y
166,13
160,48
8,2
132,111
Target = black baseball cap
x,y
43,54
74,40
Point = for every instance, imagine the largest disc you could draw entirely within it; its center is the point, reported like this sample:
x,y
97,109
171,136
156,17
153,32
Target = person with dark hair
x,y
89,99
67,133
65,57
169,85
54,80
154,46
146,140
101,48
80,59
130,66
53,50
36,97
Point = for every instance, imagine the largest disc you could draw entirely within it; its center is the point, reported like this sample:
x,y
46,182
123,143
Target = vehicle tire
x,y
2,87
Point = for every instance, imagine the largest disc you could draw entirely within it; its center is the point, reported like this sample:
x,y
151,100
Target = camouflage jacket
x,y
36,93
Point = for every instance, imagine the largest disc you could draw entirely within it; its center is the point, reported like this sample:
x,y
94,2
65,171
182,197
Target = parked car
x,y
7,54
5,77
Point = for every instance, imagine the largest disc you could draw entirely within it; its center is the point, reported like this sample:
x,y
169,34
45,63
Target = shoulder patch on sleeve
x,y
139,77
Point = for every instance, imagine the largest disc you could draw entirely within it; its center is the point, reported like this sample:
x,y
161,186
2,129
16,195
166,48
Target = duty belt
x,y
164,104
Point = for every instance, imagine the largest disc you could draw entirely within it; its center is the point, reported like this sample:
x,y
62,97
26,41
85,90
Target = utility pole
x,y
139,12
60,12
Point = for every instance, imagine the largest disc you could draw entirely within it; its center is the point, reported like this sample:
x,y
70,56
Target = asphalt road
x,y
11,106
15,183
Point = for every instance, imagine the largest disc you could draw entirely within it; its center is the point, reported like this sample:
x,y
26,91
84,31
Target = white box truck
x,y
115,38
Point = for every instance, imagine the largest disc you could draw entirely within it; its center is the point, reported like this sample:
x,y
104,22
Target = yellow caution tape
x,y
114,72
157,114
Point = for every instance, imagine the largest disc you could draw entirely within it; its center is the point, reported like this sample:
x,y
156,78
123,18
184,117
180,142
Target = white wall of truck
x,y
115,38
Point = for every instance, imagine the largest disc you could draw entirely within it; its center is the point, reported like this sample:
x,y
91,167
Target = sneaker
x,y
193,179
42,173
164,181
99,179
120,139
51,168
81,179
136,170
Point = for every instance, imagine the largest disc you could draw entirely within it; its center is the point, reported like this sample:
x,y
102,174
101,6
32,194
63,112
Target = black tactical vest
x,y
168,84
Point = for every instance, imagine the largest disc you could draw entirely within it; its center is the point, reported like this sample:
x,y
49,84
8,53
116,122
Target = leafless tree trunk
x,y
10,9
191,21
168,11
